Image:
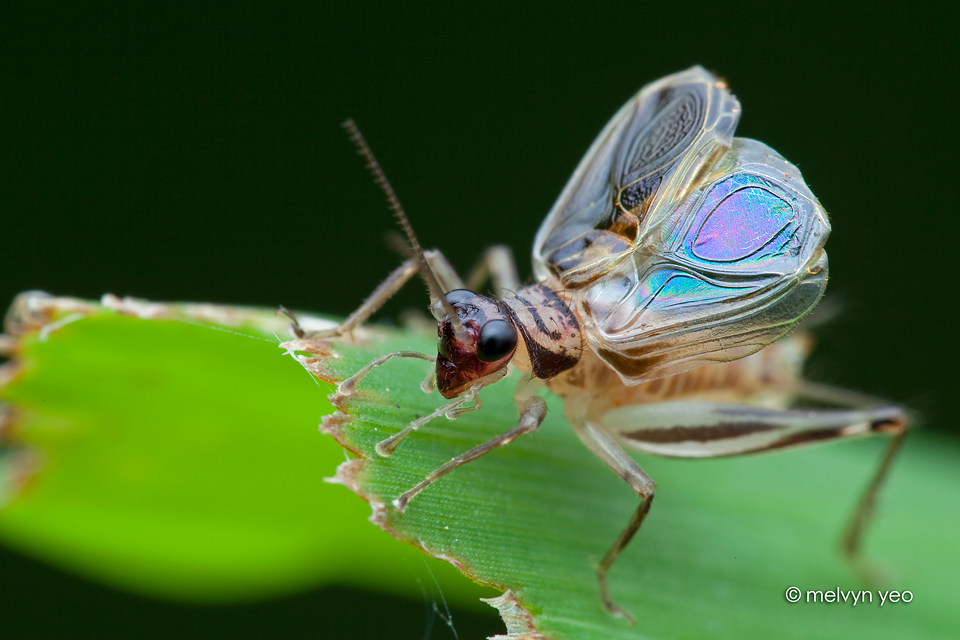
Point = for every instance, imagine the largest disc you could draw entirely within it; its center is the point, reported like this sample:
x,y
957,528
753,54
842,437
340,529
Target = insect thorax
x,y
551,332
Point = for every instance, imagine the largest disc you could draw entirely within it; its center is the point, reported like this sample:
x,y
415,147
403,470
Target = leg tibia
x,y
530,420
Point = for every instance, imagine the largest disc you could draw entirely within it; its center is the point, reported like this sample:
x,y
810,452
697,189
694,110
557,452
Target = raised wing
x,y
649,155
716,276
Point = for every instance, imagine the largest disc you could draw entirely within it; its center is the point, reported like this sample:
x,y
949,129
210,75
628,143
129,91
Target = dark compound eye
x,y
498,339
459,296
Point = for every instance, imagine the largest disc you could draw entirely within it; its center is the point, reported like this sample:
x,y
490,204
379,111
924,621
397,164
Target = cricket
x,y
669,278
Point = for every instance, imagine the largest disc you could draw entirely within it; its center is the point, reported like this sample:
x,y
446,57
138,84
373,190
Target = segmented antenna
x,y
436,292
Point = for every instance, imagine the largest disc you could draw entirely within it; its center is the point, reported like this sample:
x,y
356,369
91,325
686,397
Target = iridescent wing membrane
x,y
682,245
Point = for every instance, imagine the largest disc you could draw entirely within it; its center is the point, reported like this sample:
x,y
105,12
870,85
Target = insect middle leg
x,y
605,447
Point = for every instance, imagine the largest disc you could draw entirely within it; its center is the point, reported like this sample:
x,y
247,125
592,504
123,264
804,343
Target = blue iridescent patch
x,y
743,221
666,288
742,224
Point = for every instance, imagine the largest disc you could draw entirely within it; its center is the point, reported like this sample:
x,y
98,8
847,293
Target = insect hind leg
x,y
699,429
853,536
895,424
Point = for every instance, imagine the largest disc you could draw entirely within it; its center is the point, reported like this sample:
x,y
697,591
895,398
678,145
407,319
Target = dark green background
x,y
195,154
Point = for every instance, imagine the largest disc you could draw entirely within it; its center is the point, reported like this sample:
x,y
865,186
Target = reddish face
x,y
492,339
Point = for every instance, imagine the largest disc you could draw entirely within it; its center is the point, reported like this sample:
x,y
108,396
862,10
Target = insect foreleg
x,y
606,447
497,264
530,420
295,328
349,386
387,446
456,412
375,300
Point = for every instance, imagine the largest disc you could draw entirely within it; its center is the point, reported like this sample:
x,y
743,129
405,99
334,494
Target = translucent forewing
x,y
647,155
728,270
680,245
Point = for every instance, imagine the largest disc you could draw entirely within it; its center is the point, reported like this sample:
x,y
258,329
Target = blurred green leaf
x,y
723,542
175,457
177,454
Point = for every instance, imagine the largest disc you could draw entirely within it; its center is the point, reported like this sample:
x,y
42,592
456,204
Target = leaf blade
x,y
182,459
724,540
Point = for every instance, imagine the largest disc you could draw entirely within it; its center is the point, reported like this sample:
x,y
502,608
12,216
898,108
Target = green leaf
x,y
149,447
173,450
723,542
